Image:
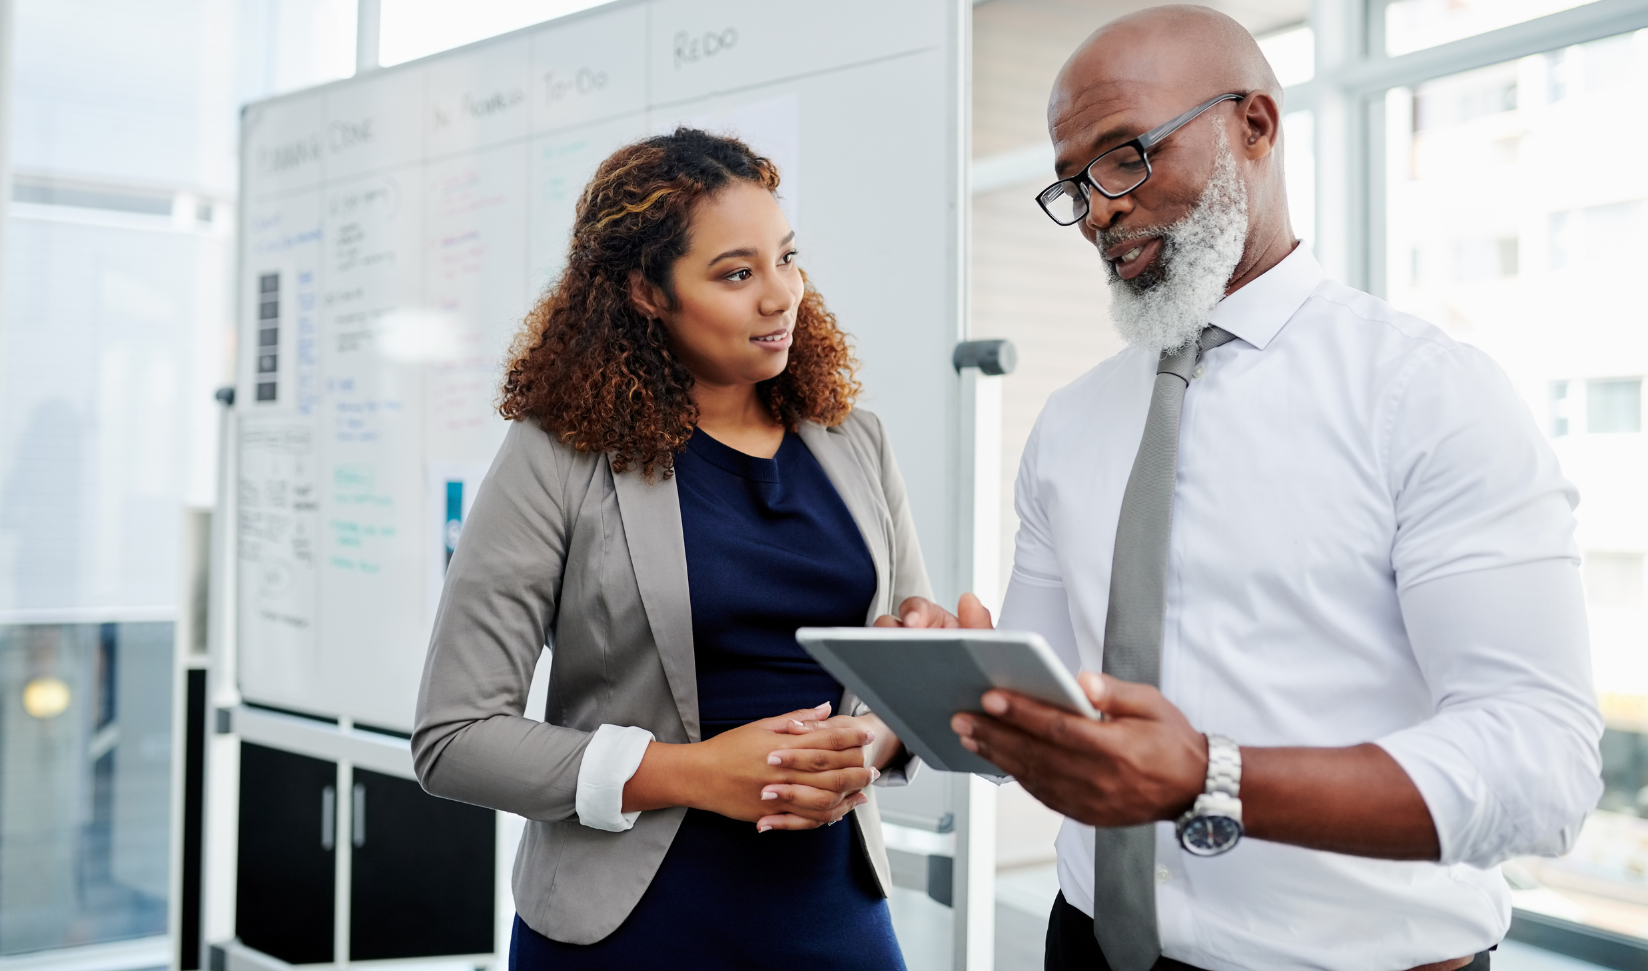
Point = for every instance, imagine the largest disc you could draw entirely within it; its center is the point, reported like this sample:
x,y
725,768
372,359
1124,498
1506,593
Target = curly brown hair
x,y
593,371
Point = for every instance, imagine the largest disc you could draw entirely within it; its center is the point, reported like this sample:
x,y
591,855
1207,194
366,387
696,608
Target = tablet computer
x,y
917,679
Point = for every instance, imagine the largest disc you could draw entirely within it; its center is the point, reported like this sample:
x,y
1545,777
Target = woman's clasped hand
x,y
795,771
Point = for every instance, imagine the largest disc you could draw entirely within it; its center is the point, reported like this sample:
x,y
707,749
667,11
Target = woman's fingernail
x,y
862,799
870,739
995,704
796,724
762,828
773,759
824,707
968,743
875,773
768,795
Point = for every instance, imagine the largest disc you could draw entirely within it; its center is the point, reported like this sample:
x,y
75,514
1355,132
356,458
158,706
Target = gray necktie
x,y
1124,886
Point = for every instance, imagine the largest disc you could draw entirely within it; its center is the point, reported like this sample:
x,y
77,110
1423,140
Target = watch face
x,y
1210,835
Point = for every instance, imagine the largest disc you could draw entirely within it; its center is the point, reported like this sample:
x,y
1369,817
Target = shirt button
x,y
1163,875
1198,371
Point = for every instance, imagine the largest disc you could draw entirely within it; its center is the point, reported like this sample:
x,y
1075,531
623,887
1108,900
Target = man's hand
x,y
1143,763
921,612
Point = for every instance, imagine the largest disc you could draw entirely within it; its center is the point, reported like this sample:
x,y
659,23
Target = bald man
x,y
1319,551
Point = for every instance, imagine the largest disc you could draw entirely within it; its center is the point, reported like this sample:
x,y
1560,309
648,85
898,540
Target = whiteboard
x,y
396,228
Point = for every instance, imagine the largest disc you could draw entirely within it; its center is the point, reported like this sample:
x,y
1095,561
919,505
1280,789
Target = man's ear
x,y
1261,120
645,296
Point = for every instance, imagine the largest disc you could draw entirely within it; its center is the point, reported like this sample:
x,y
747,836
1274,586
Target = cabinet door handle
x,y
328,818
358,836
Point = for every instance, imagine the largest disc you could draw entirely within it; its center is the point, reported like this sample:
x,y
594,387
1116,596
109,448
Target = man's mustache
x,y
1119,235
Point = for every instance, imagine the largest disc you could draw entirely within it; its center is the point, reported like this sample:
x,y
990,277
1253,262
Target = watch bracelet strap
x,y
1224,766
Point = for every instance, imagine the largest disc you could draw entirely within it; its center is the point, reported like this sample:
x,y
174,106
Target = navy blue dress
x,y
770,547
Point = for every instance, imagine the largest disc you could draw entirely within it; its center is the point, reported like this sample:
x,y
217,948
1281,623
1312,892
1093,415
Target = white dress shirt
x,y
1371,542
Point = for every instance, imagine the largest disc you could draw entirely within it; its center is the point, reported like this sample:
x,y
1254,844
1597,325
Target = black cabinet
x,y
423,872
422,869
286,890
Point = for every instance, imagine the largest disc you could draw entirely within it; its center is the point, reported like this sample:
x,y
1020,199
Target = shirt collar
x,y
1257,312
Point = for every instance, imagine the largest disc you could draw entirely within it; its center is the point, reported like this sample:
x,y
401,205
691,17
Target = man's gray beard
x,y
1167,306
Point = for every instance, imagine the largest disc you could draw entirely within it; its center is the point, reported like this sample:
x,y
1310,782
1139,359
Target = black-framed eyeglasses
x,y
1116,172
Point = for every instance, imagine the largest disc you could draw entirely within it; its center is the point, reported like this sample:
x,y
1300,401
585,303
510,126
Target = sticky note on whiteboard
x,y
454,516
450,492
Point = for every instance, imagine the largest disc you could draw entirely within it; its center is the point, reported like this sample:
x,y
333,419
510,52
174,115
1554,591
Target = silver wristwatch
x,y
1214,824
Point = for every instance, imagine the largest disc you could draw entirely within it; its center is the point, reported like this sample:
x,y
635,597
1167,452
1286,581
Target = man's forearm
x,y
1354,800
1146,761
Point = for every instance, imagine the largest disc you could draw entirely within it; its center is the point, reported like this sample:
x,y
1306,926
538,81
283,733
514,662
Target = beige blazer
x,y
560,550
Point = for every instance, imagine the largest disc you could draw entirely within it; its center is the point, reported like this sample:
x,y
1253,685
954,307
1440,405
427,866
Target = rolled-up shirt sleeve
x,y
1508,765
610,761
1488,579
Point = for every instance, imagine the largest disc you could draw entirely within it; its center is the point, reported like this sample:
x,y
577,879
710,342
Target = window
x,y
1291,53
1299,165
417,28
1609,235
85,815
1559,408
117,290
1514,217
1613,405
1613,579
1484,259
1585,68
1412,25
1452,102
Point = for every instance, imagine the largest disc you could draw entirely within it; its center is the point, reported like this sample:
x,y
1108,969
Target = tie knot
x,y
1213,336
1179,362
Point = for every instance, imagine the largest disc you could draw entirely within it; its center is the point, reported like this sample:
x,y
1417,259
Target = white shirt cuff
x,y
610,760
900,771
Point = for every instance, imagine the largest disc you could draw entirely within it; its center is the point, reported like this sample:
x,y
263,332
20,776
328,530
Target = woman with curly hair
x,y
684,483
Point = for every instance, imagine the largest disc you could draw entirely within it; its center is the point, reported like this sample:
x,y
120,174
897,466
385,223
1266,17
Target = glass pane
x,y
117,279
1291,53
417,28
1516,221
85,783
1412,25
1299,166
1613,405
1614,579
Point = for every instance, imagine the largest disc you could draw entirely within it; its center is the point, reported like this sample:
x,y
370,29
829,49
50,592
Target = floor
x,y
1025,894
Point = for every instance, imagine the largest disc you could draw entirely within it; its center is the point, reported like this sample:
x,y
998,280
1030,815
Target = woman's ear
x,y
645,296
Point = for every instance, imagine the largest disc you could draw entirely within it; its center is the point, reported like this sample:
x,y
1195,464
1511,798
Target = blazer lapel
x,y
651,513
852,482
